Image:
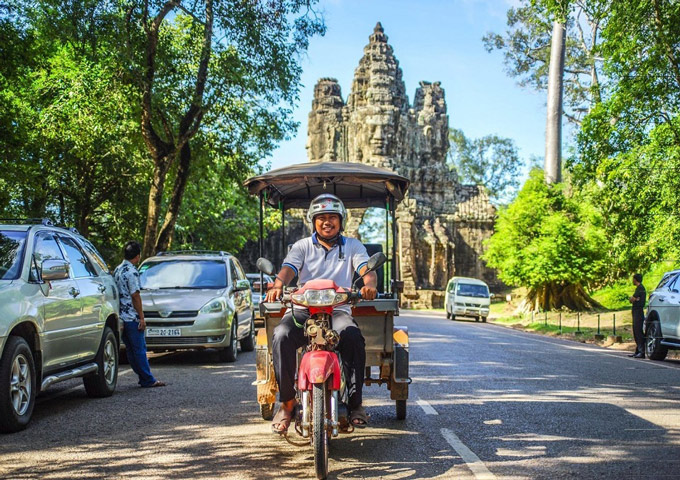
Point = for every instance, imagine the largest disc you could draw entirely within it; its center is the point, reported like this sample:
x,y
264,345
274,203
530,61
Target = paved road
x,y
486,402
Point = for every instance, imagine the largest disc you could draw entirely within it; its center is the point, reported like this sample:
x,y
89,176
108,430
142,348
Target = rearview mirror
x,y
376,261
54,270
265,266
241,285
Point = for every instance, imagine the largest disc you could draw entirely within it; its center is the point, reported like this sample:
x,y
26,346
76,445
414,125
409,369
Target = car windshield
x,y
471,290
11,253
183,274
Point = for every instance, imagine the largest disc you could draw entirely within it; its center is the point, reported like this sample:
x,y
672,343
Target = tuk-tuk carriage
x,y
358,186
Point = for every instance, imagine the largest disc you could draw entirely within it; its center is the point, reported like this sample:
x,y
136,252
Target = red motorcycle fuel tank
x,y
317,367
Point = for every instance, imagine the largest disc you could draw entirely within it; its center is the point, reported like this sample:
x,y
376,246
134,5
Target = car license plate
x,y
163,332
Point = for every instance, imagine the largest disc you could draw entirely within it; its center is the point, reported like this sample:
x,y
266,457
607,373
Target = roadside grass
x,y
615,296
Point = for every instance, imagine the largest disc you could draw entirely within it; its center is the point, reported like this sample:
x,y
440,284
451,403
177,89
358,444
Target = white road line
x,y
427,408
473,462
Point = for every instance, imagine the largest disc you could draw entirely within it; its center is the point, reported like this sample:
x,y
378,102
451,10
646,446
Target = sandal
x,y
282,419
358,417
157,383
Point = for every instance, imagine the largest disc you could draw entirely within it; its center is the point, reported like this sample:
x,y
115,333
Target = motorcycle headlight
x,y
215,305
319,298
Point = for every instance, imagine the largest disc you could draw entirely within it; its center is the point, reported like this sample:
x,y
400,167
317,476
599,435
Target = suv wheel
x,y
248,343
230,353
17,385
655,351
103,383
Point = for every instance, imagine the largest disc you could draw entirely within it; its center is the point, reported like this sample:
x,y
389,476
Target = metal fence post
x,y
560,322
614,324
546,319
598,324
578,324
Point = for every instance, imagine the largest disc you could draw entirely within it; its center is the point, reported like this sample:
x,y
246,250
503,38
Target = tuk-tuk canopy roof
x,y
358,185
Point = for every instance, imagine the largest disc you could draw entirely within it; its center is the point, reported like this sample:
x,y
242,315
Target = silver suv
x,y
663,317
58,316
197,299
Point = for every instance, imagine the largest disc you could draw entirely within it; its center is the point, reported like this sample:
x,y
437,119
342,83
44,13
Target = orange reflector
x,y
400,337
262,336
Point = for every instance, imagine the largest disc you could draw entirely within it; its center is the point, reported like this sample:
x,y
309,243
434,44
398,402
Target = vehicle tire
x,y
17,385
103,383
653,347
453,317
230,354
401,409
267,411
319,434
484,319
248,343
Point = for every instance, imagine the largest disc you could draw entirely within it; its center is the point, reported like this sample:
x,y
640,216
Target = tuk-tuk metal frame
x,y
358,186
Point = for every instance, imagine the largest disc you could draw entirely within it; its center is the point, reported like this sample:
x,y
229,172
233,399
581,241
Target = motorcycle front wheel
x,y
319,434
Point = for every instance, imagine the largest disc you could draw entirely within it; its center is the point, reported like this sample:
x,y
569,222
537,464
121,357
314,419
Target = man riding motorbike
x,y
326,254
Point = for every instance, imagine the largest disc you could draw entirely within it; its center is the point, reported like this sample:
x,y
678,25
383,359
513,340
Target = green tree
x,y
526,46
551,243
222,67
491,161
629,144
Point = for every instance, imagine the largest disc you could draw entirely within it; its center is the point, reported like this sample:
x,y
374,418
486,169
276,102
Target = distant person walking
x,y
127,279
638,301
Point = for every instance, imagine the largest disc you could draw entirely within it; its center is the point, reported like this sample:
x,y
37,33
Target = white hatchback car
x,y
663,317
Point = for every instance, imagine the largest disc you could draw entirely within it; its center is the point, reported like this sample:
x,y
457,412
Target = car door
x,y
61,306
670,322
659,301
242,300
92,296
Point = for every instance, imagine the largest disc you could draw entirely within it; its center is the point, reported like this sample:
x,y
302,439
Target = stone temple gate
x,y
441,223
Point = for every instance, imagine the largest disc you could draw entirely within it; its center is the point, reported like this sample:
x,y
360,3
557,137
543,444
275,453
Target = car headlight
x,y
319,298
215,305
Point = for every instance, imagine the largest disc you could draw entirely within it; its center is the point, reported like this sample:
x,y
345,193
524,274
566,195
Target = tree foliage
x,y
630,143
526,48
491,161
550,242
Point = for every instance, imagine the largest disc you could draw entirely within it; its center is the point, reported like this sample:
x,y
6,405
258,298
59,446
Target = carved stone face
x,y
379,133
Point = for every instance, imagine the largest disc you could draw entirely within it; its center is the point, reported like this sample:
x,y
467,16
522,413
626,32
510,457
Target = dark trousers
x,y
638,335
288,337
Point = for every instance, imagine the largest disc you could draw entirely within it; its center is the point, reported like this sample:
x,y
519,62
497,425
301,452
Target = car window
x,y
674,284
46,248
183,274
665,280
471,290
233,272
94,254
239,270
80,265
11,252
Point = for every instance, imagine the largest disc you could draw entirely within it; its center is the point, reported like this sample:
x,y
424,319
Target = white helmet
x,y
326,203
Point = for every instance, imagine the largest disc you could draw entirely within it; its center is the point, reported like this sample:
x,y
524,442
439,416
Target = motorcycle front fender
x,y
317,367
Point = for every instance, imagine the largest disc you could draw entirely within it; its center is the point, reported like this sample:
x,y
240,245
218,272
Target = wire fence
x,y
605,323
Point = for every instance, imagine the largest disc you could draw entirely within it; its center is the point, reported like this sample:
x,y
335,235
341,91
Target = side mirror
x,y
241,285
54,270
376,261
492,295
265,266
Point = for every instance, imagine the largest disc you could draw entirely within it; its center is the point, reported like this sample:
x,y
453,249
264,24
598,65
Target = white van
x,y
467,297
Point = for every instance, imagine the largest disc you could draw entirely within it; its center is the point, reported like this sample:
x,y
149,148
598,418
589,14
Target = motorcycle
x,y
320,386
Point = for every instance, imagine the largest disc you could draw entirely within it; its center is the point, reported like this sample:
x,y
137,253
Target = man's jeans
x,y
135,345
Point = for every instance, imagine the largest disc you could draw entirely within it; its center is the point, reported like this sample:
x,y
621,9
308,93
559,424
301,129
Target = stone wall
x,y
442,224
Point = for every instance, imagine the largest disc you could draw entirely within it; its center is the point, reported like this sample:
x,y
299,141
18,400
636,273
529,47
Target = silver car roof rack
x,y
28,221
221,253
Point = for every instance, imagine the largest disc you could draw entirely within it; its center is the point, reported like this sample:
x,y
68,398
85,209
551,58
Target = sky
x,y
433,40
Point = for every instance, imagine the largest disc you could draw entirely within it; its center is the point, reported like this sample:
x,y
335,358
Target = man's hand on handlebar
x,y
368,293
274,294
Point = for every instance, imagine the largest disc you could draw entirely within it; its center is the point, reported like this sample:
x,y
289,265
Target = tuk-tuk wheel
x,y
267,411
401,409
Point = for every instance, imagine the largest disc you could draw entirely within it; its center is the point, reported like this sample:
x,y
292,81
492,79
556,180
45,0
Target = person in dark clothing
x,y
638,310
